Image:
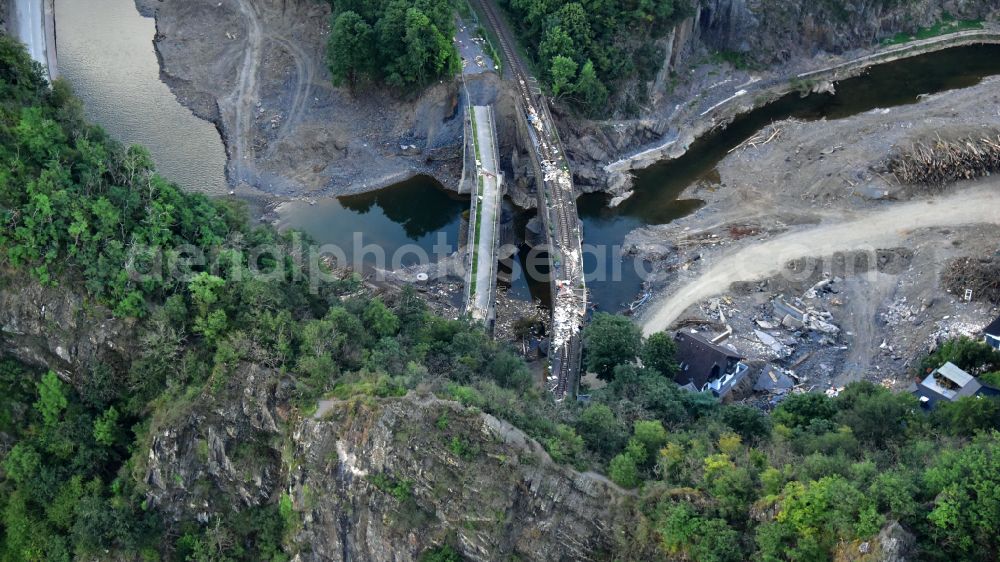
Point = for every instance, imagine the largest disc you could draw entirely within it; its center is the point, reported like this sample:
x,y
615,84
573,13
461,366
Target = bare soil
x,y
783,208
257,69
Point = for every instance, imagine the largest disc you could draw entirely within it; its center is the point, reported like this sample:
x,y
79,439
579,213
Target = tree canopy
x,y
711,482
586,49
402,43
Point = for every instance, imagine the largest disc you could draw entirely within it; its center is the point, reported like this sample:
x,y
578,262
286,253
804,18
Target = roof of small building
x,y
953,373
951,382
772,379
993,329
698,357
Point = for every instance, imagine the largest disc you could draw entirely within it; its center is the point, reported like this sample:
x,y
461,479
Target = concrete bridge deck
x,y
33,22
484,217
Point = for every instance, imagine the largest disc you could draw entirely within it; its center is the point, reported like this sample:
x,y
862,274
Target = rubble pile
x,y
790,333
902,312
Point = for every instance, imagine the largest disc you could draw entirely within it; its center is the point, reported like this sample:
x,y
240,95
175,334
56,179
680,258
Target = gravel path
x,y
976,204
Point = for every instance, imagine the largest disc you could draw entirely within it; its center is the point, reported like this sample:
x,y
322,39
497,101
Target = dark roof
x,y
950,383
993,329
698,358
772,379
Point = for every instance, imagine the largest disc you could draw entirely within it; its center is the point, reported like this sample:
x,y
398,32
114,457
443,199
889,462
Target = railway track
x,y
566,254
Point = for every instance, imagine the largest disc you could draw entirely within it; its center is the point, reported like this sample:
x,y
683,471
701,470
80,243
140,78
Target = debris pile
x,y
941,162
973,279
900,311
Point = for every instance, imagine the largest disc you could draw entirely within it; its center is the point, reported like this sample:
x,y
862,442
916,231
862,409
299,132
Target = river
x,y
659,188
106,51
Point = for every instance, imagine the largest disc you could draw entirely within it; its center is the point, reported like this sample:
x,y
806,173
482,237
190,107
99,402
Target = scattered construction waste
x,y
940,162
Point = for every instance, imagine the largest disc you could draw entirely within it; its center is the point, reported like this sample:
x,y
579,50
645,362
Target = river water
x,y
106,52
659,188
408,220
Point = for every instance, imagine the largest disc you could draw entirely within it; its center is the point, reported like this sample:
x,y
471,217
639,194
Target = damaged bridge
x,y
556,209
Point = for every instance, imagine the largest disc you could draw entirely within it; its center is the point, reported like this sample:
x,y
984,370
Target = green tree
x,y
106,427
205,289
509,371
875,414
601,430
565,446
799,410
51,398
22,463
624,471
659,352
609,341
750,423
589,89
380,320
686,533
563,71
973,356
968,415
965,485
350,48
652,435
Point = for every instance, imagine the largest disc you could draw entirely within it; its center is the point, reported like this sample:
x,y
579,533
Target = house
x,y
992,334
706,366
949,383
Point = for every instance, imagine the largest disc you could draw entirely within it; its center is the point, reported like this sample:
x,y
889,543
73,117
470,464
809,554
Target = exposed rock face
x,y
473,480
55,327
377,480
892,544
218,453
777,30
783,38
257,69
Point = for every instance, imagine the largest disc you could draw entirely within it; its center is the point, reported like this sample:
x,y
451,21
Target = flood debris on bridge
x,y
557,210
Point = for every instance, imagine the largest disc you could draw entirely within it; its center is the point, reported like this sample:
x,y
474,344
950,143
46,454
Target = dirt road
x,y
976,203
245,95
258,70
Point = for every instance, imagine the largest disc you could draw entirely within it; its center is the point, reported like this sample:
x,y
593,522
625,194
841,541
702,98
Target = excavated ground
x,y
810,190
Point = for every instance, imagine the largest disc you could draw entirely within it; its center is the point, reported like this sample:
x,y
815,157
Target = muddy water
x,y
391,227
659,189
106,53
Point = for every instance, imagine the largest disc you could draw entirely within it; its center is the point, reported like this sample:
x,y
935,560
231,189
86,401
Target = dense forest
x,y
402,43
817,477
588,48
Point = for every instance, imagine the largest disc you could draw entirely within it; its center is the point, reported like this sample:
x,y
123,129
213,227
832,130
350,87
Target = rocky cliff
x,y
377,479
770,41
386,480
773,31
368,479
57,328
